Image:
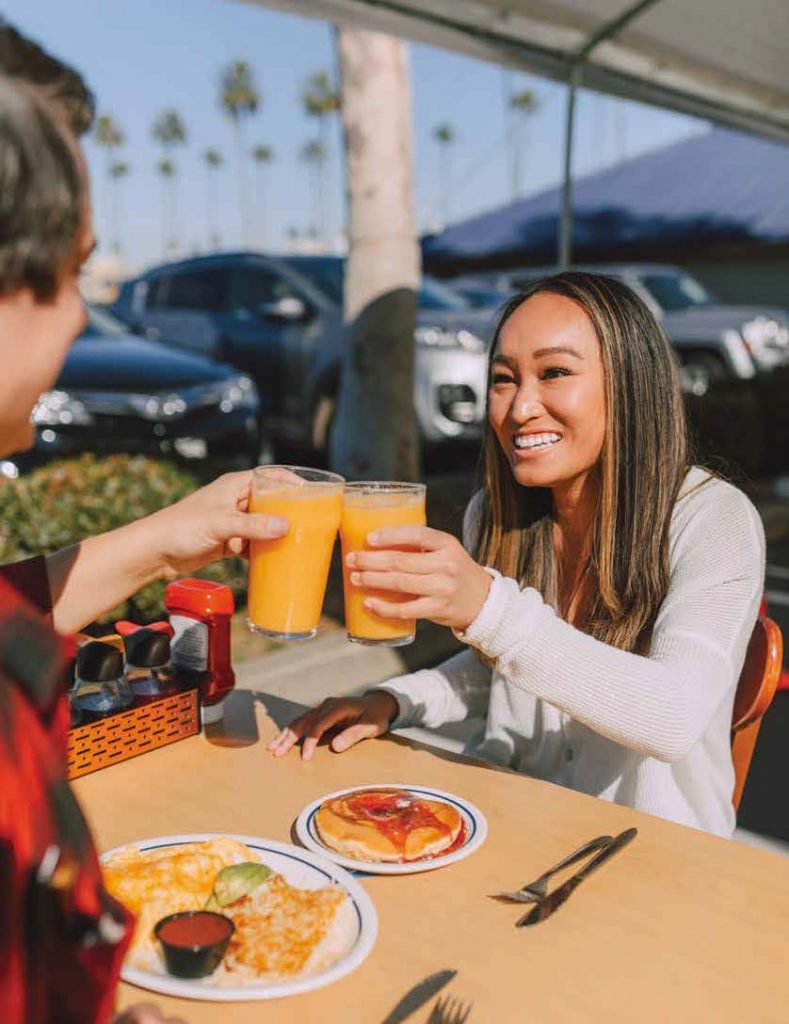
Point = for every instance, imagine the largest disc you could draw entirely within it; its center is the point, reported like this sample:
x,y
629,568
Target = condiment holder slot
x,y
129,733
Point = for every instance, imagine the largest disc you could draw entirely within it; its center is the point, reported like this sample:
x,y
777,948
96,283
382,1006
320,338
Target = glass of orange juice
x,y
288,576
368,506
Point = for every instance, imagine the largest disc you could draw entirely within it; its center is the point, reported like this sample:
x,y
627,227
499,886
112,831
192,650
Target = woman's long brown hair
x,y
643,463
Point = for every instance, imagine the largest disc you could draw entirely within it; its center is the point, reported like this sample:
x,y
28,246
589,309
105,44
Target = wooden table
x,y
680,926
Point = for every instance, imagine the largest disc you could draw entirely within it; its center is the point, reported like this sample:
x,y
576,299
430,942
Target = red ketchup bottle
x,y
200,612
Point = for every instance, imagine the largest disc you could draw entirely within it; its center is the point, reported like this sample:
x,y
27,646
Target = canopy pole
x,y
574,75
566,228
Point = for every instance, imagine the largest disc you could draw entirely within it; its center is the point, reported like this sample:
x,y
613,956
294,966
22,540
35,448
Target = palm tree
x,y
321,100
314,156
240,98
374,435
169,131
521,106
263,155
109,135
213,162
444,135
119,169
167,169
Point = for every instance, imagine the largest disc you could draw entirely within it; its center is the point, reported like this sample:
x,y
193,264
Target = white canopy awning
x,y
725,60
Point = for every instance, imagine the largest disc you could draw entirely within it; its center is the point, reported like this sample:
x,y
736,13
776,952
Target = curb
x,y
330,665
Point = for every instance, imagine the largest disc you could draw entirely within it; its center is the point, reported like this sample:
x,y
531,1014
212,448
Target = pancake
x,y
387,825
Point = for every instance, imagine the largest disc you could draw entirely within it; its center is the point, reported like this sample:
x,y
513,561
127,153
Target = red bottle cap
x,y
200,596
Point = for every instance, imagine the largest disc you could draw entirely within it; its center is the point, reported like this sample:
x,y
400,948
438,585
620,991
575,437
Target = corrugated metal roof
x,y
720,185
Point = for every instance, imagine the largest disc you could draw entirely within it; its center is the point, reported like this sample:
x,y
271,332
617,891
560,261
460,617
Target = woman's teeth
x,y
537,440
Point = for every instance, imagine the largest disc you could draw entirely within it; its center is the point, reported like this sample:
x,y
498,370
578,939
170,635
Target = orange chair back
x,y
755,691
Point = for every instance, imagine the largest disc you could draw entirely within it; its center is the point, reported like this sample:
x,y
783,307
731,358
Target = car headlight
x,y
762,332
59,408
158,407
238,393
437,337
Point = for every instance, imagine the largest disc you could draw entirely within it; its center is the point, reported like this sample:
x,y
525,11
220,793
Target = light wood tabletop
x,y
679,926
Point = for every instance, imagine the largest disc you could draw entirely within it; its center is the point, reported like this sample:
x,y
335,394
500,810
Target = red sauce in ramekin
x,y
199,929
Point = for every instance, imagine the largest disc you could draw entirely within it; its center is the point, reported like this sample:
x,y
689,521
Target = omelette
x,y
282,932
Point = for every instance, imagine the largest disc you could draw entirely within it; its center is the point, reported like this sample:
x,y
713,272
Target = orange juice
x,y
368,507
288,576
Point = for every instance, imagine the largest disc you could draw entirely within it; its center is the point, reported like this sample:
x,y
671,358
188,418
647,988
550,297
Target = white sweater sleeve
x,y
458,688
660,704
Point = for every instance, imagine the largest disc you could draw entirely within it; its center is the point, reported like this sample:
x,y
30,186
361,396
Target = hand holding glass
x,y
369,506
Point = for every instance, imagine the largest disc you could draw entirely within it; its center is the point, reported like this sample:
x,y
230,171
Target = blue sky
x,y
141,56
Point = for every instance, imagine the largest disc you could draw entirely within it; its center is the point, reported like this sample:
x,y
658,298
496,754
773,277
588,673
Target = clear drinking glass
x,y
368,506
288,575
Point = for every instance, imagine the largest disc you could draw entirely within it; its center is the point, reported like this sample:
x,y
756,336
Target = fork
x,y
537,890
449,1011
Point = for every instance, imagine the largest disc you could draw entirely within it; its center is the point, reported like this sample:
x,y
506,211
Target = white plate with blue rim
x,y
301,868
474,832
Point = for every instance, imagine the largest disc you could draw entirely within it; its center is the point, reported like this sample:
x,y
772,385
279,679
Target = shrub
x,y
63,502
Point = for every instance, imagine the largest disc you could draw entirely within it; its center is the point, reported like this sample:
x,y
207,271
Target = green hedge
x,y
63,502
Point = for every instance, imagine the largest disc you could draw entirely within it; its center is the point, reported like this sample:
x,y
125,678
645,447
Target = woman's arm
x,y
660,704
457,689
93,576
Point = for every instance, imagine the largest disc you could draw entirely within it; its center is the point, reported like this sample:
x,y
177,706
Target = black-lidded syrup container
x,y
100,686
148,667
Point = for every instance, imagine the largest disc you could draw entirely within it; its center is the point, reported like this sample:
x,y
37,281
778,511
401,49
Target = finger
x,y
354,734
400,583
254,526
284,740
396,561
339,713
421,608
409,536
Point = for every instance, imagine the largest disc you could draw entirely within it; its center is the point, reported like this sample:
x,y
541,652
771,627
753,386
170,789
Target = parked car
x,y
717,340
122,393
280,321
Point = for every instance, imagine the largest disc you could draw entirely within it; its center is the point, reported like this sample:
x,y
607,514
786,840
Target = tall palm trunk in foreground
x,y
374,435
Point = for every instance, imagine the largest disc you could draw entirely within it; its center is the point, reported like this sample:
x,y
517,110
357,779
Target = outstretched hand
x,y
209,524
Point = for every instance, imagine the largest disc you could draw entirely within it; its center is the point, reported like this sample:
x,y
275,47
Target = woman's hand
x,y
359,718
210,524
447,585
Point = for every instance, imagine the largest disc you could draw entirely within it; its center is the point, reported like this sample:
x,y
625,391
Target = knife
x,y
559,896
420,994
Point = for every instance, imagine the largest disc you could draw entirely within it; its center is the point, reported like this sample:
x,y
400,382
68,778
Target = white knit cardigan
x,y
651,732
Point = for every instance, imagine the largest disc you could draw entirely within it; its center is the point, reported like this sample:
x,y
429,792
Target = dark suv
x,y
280,320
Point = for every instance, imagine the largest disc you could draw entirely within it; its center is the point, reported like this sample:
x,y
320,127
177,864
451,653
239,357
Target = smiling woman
x,y
613,585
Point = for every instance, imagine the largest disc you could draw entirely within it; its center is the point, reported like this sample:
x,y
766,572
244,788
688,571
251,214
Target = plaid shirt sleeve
x,y
62,938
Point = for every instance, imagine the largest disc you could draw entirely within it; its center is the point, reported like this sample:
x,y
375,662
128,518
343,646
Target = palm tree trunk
x,y
243,201
375,435
323,125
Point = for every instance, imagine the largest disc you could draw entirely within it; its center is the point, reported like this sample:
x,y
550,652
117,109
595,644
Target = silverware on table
x,y
549,904
537,890
449,1011
417,996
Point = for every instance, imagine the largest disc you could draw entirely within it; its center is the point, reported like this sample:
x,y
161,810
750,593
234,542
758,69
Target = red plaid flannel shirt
x,y
62,938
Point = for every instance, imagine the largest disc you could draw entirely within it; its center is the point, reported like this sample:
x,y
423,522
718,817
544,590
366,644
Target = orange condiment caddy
x,y
200,615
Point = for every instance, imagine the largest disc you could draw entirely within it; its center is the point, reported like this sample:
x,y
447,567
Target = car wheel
x,y
322,421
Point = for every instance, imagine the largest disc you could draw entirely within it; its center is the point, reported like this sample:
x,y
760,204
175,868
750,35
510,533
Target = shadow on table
x,y
239,727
